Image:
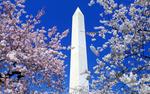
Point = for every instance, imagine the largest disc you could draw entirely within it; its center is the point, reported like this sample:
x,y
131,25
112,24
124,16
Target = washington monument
x,y
78,66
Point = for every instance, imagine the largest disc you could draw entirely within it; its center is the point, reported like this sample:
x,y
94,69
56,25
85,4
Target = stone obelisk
x,y
78,66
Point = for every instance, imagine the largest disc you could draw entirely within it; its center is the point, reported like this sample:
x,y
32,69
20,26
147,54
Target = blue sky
x,y
59,13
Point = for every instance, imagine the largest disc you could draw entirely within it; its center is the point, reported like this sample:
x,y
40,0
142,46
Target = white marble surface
x,y
78,54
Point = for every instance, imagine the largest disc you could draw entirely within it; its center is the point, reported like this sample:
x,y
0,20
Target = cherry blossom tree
x,y
29,56
123,62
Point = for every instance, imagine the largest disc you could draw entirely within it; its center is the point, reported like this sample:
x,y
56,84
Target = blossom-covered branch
x,y
27,54
127,59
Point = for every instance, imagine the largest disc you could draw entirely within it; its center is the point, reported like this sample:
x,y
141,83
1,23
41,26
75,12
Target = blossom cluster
x,y
124,57
28,52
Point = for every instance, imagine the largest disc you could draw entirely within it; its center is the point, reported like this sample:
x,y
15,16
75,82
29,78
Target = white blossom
x,y
123,56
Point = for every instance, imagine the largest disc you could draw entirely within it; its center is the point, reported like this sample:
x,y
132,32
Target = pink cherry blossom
x,y
26,51
129,35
